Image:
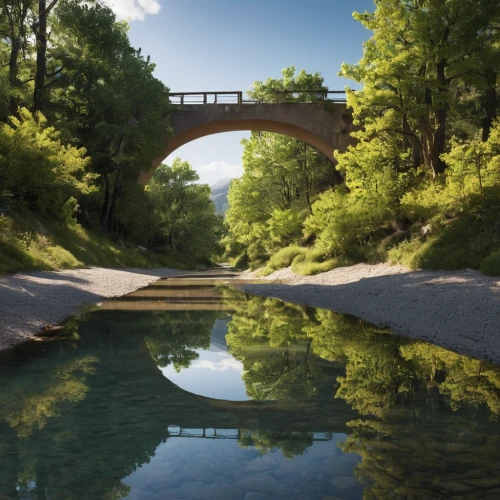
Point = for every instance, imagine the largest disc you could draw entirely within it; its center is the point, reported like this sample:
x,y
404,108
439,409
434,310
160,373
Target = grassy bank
x,y
27,243
471,240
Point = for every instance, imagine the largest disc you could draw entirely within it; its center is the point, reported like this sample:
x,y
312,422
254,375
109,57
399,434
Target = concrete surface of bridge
x,y
325,125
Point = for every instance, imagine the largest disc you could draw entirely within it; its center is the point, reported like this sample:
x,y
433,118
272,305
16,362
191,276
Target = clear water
x,y
188,390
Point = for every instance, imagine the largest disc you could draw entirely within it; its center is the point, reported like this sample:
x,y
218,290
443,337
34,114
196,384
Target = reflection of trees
x,y
431,426
427,429
268,337
78,419
40,400
289,443
172,338
95,407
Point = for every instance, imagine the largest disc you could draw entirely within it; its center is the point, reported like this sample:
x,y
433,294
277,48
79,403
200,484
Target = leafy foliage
x,y
41,173
105,120
421,184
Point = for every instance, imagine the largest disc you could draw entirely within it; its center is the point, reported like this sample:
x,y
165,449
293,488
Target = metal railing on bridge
x,y
236,97
175,431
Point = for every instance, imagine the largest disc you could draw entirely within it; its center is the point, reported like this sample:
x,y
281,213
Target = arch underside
x,y
221,126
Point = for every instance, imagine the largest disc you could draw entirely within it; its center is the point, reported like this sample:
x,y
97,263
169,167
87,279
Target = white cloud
x,y
215,170
133,10
219,366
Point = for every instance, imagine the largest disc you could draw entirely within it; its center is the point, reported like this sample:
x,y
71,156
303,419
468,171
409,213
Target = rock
x,y
344,482
349,458
424,231
261,483
255,495
333,468
158,484
270,459
282,490
475,474
493,494
222,494
456,487
194,489
419,478
160,478
224,466
494,439
458,448
294,466
484,483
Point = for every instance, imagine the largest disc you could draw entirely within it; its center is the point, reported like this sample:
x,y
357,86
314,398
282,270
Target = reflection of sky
x,y
215,374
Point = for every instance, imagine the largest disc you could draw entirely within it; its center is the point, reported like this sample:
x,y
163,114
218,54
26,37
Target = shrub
x,y
491,264
284,257
41,173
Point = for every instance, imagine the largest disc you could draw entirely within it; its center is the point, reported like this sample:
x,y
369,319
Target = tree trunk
x,y
41,53
116,195
13,72
411,142
41,56
17,35
491,103
439,142
106,205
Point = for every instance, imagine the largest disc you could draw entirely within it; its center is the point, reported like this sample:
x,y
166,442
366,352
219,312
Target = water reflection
x,y
338,407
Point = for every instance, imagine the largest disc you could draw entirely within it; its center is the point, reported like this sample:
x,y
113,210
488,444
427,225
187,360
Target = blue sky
x,y
214,45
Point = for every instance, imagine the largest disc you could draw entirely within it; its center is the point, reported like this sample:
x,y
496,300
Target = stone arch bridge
x,y
325,125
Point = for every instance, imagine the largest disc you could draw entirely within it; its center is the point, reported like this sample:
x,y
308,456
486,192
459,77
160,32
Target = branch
x,y
52,82
449,80
50,7
55,72
403,133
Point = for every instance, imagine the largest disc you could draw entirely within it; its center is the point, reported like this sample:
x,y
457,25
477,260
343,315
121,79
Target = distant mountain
x,y
218,194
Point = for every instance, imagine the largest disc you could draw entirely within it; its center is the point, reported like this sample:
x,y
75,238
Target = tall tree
x,y
41,52
418,55
15,16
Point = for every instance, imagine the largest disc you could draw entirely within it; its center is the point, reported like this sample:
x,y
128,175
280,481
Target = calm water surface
x,y
189,389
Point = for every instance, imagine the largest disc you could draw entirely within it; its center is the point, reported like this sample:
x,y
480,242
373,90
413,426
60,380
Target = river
x,y
191,389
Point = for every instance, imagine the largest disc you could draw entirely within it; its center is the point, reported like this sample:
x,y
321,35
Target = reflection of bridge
x,y
127,406
179,407
177,432
325,124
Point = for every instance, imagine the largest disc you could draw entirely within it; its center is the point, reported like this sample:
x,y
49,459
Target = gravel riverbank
x,y
456,310
31,301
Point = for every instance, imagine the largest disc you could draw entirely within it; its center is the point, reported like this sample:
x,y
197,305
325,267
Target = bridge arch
x,y
327,126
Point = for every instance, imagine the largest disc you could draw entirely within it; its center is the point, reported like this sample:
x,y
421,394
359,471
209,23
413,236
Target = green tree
x,y
185,215
41,173
417,58
288,88
16,48
106,98
268,205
